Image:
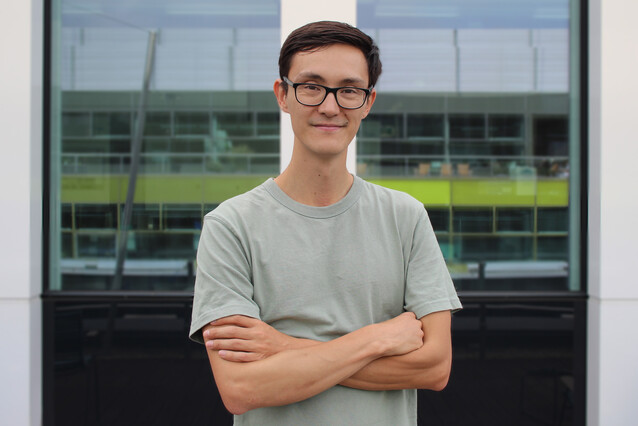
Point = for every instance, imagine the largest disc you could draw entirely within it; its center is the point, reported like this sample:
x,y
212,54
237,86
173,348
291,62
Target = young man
x,y
323,299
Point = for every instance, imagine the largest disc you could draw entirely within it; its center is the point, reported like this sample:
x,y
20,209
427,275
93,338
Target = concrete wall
x,y
612,381
21,212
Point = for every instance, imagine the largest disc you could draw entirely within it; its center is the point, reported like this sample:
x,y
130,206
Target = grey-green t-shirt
x,y
319,273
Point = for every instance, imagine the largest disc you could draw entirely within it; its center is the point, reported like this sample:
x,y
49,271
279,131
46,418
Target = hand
x,y
244,339
402,334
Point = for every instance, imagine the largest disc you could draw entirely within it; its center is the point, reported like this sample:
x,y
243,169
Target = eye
x,y
310,87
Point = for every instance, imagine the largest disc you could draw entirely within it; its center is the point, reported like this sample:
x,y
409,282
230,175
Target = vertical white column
x,y
294,14
613,229
20,212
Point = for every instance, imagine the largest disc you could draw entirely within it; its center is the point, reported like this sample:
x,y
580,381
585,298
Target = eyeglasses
x,y
311,94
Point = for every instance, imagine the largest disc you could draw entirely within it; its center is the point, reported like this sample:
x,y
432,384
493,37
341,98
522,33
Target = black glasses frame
x,y
329,90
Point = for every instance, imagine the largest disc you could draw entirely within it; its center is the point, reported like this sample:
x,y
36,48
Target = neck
x,y
316,183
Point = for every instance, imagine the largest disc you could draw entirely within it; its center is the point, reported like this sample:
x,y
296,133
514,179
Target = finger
x,y
237,356
226,332
233,345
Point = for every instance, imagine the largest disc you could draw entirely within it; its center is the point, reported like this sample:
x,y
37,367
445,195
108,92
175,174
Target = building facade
x,y
127,122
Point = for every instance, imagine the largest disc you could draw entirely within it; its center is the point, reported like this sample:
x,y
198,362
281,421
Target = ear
x,y
368,105
281,94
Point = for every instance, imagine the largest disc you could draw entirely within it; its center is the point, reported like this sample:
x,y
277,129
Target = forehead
x,y
333,64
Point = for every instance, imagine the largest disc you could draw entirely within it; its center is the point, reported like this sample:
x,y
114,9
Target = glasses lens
x,y
351,97
310,94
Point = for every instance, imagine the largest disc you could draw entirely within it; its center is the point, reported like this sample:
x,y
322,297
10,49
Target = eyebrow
x,y
346,81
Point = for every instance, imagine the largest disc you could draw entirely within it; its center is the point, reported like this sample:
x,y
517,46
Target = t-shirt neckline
x,y
313,211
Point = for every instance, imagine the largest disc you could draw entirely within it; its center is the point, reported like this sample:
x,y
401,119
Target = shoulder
x,y
401,203
240,206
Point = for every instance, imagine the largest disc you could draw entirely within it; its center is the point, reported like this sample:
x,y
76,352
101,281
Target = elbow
x,y
440,383
435,378
237,398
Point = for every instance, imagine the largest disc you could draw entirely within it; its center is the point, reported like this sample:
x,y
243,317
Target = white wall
x,y
613,228
20,212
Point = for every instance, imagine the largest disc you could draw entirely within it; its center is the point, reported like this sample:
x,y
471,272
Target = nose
x,y
329,106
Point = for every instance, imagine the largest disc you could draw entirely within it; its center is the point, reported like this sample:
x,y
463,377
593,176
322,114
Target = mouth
x,y
329,127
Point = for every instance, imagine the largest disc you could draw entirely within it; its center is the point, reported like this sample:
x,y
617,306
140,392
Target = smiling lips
x,y
329,126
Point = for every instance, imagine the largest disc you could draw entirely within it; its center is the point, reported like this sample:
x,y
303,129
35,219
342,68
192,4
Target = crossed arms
x,y
257,366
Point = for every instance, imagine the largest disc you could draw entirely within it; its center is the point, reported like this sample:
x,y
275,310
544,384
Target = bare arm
x,y
293,375
425,368
243,339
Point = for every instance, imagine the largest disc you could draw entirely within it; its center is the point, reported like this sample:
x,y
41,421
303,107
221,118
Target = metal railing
x,y
462,166
367,165
171,163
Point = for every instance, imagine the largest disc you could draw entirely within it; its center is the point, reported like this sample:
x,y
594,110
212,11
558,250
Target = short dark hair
x,y
325,33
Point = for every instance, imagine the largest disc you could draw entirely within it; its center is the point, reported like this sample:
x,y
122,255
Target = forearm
x,y
411,371
295,374
425,368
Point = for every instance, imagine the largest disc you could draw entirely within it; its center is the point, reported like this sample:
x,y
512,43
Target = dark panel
x,y
130,362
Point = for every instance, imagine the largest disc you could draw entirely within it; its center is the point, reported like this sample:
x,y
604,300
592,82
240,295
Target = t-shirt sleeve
x,y
429,287
223,282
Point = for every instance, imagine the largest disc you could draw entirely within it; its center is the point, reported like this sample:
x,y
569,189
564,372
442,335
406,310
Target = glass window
x,y
466,220
111,123
467,126
477,113
66,218
425,126
505,126
440,219
235,124
76,124
95,216
382,126
96,245
210,131
552,248
268,124
182,216
145,217
491,249
192,123
552,219
157,123
515,220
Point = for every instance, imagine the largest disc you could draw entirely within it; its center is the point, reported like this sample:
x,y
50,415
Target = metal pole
x,y
135,160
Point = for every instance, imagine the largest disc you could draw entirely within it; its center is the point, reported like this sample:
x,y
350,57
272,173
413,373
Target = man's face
x,y
327,129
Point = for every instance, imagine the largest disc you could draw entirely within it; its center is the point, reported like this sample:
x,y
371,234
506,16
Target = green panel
x,y
156,189
166,189
91,189
554,193
494,192
220,188
214,189
429,192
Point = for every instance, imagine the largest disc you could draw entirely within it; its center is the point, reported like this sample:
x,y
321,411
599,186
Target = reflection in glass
x,y
96,245
182,216
515,220
474,115
76,124
472,220
211,128
192,123
111,123
95,216
425,126
467,126
552,219
440,219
